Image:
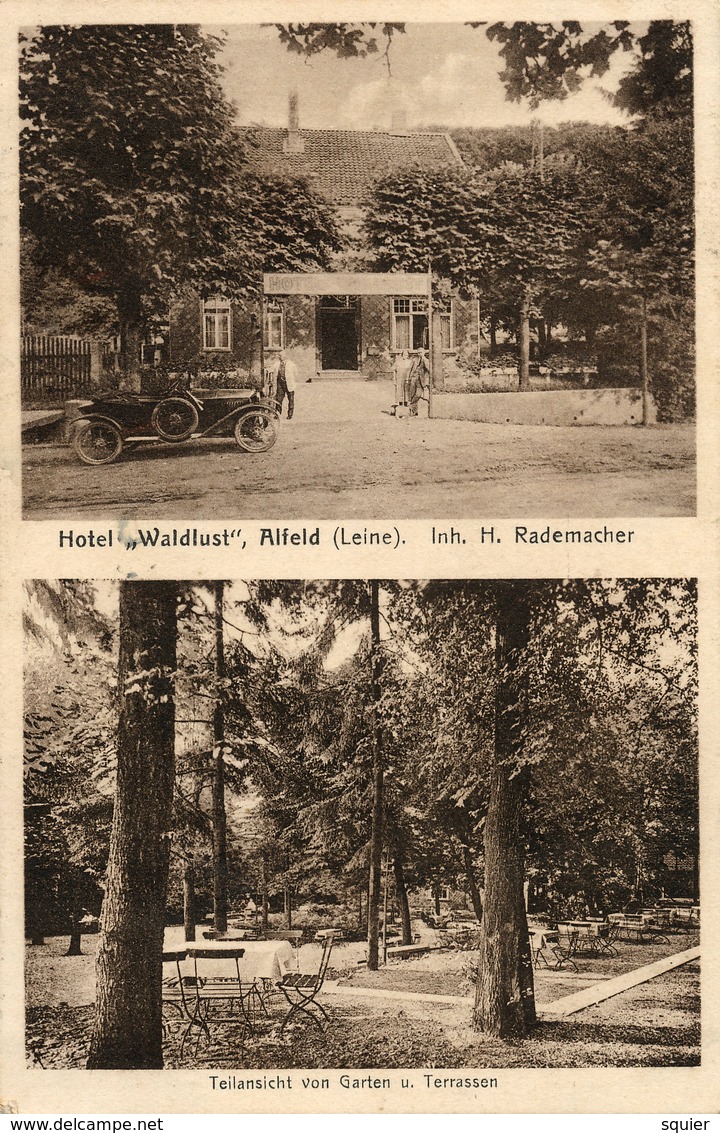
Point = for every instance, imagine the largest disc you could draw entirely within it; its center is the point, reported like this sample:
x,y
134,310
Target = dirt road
x,y
344,456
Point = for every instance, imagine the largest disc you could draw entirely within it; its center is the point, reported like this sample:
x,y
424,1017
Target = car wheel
x,y
256,430
174,419
97,442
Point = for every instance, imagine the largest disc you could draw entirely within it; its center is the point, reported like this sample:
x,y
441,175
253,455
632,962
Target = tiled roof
x,y
342,164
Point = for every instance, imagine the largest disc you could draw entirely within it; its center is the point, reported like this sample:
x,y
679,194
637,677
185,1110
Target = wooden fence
x,y
56,366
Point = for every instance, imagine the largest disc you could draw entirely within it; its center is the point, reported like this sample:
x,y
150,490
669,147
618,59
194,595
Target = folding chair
x,y
178,992
587,941
566,947
204,992
607,936
173,988
539,943
301,990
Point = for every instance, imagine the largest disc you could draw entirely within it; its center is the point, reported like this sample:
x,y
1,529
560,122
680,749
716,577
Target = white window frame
x,y
414,306
276,313
217,314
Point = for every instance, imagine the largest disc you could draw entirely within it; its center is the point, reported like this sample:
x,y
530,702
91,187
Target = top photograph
x,y
357,270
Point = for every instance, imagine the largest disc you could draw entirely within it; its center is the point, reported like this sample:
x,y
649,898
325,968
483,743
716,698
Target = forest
x,y
503,745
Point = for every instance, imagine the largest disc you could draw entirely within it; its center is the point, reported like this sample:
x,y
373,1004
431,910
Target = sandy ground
x,y
653,1024
52,978
344,456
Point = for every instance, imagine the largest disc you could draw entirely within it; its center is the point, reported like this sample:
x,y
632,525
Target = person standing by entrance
x,y
403,366
286,378
419,382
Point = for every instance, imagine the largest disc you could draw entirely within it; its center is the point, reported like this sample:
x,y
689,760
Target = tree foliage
x,y
133,178
550,61
571,748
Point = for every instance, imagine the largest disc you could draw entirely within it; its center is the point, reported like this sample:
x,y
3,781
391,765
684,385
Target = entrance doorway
x,y
338,332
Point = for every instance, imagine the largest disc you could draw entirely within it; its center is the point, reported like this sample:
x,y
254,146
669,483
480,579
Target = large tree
x,y
127,1031
507,239
133,178
129,159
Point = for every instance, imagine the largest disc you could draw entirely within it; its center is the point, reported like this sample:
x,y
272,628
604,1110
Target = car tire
x,y
174,419
256,430
97,441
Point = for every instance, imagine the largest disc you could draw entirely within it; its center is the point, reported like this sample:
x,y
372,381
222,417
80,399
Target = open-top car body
x,y
111,421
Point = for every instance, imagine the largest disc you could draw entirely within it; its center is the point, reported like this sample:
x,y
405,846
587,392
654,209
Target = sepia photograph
x,y
357,270
367,824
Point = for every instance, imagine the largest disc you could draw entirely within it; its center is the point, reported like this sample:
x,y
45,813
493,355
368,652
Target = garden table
x,y
588,935
261,959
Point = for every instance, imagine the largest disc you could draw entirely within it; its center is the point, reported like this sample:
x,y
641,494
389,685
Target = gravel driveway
x,y
345,456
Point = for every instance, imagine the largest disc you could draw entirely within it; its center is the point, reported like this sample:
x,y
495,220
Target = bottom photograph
x,y
361,824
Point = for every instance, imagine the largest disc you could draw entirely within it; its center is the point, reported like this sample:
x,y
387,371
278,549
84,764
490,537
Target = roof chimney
x,y
294,142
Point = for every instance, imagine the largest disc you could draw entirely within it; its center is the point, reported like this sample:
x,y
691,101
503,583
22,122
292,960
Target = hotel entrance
x,y
339,332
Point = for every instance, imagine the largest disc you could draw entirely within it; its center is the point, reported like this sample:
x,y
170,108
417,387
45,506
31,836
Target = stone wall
x,y
545,407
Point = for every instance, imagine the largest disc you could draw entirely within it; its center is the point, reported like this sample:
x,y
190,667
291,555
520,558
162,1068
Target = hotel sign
x,y
346,283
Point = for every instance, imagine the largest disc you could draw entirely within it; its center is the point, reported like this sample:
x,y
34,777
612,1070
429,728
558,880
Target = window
x,y
216,324
410,324
274,327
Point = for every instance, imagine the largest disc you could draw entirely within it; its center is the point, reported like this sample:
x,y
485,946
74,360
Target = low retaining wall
x,y
545,407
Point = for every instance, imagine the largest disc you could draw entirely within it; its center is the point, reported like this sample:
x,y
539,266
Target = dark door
x,y
339,347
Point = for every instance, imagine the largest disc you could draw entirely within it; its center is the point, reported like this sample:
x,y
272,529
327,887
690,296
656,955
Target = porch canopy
x,y
346,283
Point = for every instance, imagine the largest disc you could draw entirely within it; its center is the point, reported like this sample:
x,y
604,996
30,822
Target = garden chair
x,y
301,990
178,992
656,930
608,934
566,947
210,998
587,941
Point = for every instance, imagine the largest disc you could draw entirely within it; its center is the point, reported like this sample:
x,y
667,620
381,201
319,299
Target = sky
x,y
442,75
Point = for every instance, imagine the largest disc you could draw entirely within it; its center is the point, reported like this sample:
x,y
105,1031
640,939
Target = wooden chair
x,y
566,947
607,936
173,987
540,942
301,990
587,940
214,998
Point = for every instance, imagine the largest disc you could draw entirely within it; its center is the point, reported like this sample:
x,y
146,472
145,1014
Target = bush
x,y
671,361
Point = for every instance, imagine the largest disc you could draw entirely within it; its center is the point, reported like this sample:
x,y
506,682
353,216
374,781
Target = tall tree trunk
x,y
493,335
402,899
189,899
265,903
127,1033
644,375
220,874
524,340
472,886
376,836
504,995
288,908
75,945
436,895
129,307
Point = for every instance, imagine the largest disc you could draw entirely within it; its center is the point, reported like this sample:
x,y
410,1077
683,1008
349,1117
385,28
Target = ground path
x,y
604,988
345,457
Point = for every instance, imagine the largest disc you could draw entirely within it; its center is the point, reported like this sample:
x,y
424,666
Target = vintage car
x,y
110,421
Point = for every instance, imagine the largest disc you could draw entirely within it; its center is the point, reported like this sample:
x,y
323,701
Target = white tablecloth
x,y
262,959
